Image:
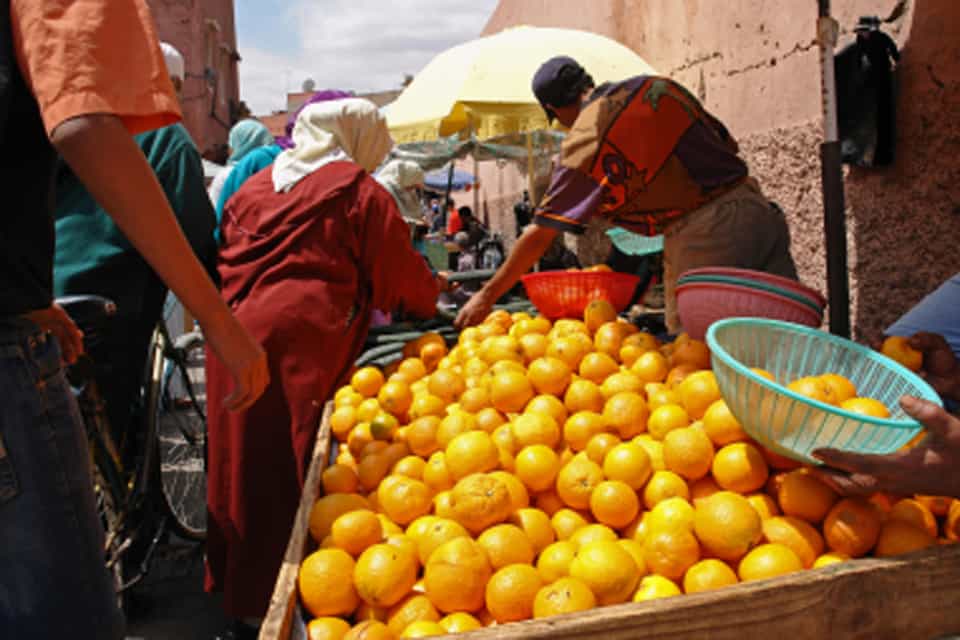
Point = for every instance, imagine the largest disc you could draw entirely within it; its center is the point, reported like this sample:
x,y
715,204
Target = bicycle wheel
x,y
109,510
182,437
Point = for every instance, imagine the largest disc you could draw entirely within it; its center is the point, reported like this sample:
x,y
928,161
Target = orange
x,y
899,349
569,349
697,392
413,608
339,478
565,595
951,526
830,557
426,404
688,452
577,480
446,385
412,369
653,587
565,522
599,445
519,497
471,452
367,381
436,475
670,552
499,348
403,499
369,630
372,470
597,367
396,451
395,397
796,534
916,513
342,420
410,466
708,574
852,527
580,427
768,561
511,592
356,530
489,419
432,354
592,533
671,513
583,395
434,533
456,576
663,485
815,388
654,449
721,425
402,542
692,353
536,524
327,628
475,399
665,419
384,574
510,391
635,549
866,407
347,397
614,503
422,435
480,501
329,508
898,537
626,413
537,467
678,374
549,375
650,367
643,340
764,505
597,313
548,501
554,561
621,382
609,338
628,462
841,388
423,629
506,544
535,428
548,405
373,448
443,504
607,569
326,584
805,496
460,622
727,525
702,489
659,395
359,438
453,425
938,505
740,467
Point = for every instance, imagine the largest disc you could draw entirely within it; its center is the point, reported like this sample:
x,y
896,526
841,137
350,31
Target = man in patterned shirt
x,y
643,154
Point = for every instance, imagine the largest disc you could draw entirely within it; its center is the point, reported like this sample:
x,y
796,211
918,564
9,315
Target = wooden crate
x,y
913,596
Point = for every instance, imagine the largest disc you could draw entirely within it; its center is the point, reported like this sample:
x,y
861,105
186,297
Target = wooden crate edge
x,y
283,602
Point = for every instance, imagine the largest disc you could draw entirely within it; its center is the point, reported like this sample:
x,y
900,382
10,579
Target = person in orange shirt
x,y
77,78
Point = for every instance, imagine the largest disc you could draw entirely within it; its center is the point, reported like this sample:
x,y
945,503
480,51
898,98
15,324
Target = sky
x,y
364,45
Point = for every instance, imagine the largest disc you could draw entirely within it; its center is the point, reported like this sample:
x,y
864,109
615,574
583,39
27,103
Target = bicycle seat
x,y
90,312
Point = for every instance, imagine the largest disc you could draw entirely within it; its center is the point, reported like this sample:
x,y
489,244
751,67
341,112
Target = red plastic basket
x,y
701,304
565,294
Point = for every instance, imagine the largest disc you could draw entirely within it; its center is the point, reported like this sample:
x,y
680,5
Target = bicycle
x,y
160,487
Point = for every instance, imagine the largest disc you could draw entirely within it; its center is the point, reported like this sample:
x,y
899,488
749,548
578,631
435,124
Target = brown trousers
x,y
741,229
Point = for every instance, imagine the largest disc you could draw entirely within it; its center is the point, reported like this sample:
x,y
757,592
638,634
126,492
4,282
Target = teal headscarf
x,y
246,136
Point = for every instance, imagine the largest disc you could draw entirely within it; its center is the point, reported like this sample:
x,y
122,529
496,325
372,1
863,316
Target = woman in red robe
x,y
310,248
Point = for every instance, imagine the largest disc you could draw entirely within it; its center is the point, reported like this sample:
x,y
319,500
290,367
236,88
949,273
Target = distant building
x,y
205,33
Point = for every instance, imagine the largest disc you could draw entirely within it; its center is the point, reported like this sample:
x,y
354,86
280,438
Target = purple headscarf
x,y
286,141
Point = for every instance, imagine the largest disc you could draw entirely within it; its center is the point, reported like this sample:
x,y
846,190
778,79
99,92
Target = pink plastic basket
x,y
701,304
761,276
565,294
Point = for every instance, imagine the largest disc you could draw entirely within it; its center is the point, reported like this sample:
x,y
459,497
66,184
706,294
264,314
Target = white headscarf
x,y
349,129
174,60
399,177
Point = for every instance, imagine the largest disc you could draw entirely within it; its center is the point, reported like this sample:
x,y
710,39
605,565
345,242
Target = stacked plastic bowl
x,y
716,293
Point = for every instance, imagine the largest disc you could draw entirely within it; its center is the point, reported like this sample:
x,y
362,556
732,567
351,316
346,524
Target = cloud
x,y
365,45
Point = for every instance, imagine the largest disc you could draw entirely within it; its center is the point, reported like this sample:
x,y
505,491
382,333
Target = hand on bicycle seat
x,y
55,320
246,360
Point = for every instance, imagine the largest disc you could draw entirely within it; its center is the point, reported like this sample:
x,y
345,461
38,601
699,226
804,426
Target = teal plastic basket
x,y
794,425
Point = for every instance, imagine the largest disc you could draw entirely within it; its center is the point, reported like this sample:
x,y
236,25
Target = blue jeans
x,y
53,582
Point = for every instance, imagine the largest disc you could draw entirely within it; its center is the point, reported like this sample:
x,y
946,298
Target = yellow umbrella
x,y
484,85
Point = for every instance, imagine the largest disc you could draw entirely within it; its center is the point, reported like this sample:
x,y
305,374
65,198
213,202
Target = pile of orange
x,y
540,468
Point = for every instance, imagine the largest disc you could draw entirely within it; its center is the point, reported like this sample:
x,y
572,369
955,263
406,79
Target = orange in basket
x,y
565,294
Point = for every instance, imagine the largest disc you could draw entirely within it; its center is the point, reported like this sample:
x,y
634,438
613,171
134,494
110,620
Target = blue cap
x,y
559,81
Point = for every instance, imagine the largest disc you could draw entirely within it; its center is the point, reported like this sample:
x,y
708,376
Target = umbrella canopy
x,y
439,179
484,84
